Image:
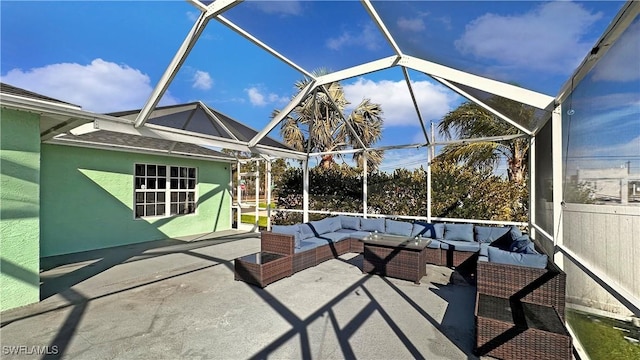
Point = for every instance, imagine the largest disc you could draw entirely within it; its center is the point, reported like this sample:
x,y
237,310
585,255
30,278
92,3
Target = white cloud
x,y
550,37
434,100
415,24
100,86
202,80
258,98
621,62
367,37
192,16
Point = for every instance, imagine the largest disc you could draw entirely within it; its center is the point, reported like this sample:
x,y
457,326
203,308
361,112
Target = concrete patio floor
x,y
177,299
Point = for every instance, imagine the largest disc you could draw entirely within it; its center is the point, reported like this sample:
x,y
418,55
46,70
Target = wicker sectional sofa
x,y
452,245
520,298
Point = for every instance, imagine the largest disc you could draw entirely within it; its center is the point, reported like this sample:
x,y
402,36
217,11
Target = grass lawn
x,y
251,219
603,338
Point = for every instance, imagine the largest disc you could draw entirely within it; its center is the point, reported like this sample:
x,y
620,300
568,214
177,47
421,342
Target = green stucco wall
x,y
87,200
19,208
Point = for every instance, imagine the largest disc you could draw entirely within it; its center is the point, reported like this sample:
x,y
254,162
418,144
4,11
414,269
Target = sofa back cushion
x,y
326,225
486,234
372,225
538,261
459,232
306,231
505,241
349,222
429,230
289,230
395,227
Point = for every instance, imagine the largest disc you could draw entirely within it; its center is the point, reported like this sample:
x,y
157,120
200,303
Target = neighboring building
x,y
613,185
63,193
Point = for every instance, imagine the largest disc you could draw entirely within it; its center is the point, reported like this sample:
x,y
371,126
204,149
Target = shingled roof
x,y
12,90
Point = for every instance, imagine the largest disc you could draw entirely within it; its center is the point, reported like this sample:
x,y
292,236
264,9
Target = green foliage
x,y
600,339
470,193
458,191
319,124
470,120
579,193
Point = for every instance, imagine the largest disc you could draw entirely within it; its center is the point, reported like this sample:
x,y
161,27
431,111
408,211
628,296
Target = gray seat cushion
x,y
359,234
460,245
434,244
309,244
498,256
333,236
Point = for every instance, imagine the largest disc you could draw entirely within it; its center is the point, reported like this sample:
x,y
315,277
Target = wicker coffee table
x,y
508,329
396,256
262,268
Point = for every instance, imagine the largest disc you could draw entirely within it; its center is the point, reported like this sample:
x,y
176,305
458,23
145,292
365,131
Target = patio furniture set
x,y
520,299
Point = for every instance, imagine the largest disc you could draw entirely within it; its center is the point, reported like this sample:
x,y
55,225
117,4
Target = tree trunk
x,y
326,162
516,169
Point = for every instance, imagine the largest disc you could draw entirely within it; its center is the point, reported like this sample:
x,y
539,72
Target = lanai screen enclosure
x,y
583,126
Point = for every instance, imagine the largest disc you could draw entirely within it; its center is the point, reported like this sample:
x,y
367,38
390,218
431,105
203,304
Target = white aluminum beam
x,y
529,97
189,42
262,45
557,186
383,28
415,103
358,70
160,132
532,188
215,118
269,184
353,151
305,191
202,7
280,153
482,139
483,105
365,185
171,71
282,114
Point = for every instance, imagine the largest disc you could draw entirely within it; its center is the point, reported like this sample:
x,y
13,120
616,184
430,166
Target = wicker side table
x,y
517,330
262,268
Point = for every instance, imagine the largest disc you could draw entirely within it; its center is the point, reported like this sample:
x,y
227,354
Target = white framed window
x,y
162,190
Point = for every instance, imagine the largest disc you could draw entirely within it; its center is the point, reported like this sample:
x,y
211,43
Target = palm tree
x,y
470,120
318,126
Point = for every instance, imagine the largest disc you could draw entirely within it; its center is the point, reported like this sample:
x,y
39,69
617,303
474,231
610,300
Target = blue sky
x,y
107,56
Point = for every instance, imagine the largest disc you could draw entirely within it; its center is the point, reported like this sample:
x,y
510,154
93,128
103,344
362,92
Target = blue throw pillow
x,y
326,225
459,232
521,244
503,242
